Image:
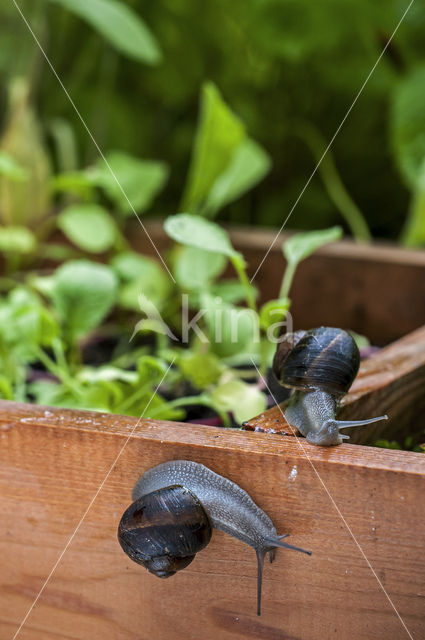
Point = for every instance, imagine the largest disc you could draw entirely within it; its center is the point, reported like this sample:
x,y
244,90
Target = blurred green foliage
x,y
134,70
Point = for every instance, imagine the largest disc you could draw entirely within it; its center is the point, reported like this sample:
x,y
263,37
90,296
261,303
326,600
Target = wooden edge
x,y
13,414
389,382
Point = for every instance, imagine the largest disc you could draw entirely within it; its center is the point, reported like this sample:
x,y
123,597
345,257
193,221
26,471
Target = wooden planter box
x,y
66,478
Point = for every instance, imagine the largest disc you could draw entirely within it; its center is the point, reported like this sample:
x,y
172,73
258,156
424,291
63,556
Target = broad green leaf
x,y
273,312
244,400
141,275
194,231
302,245
80,183
10,168
84,293
141,180
119,24
157,289
17,240
130,265
26,323
218,135
200,369
249,164
408,125
43,284
50,393
230,329
89,227
229,290
194,268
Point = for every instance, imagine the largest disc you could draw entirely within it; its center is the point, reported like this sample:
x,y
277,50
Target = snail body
x,y
163,548
320,366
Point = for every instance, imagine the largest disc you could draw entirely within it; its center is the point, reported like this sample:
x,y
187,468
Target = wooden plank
x,y
390,382
53,461
376,290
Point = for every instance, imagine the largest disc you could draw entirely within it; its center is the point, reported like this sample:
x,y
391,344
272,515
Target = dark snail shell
x,y
163,530
325,358
286,345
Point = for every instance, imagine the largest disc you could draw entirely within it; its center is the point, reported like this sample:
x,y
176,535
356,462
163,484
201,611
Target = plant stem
x,y
60,355
57,371
287,280
139,393
264,363
239,265
333,182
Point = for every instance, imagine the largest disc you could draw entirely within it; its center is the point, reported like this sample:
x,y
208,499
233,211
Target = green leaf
x,y
273,311
6,391
130,265
151,369
218,135
155,288
200,369
83,293
249,164
244,400
10,168
48,393
414,230
229,290
120,25
89,227
80,183
17,240
230,329
386,444
26,323
194,231
408,125
194,268
141,275
302,245
141,180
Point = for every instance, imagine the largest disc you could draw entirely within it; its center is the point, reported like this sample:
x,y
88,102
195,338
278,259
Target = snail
x,y
320,366
176,505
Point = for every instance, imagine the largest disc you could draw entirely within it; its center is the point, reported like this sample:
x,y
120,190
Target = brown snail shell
x,y
163,530
326,359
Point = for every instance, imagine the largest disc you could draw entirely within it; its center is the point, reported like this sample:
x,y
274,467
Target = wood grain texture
x,y
391,382
53,461
376,290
